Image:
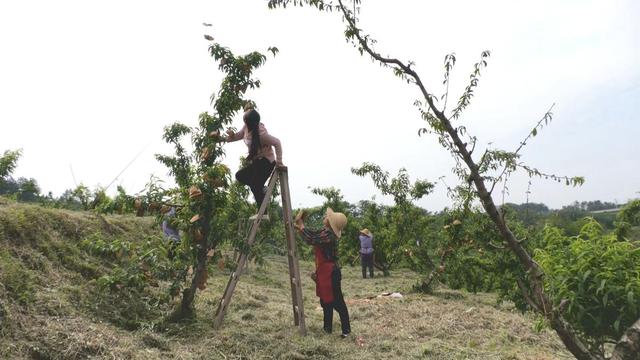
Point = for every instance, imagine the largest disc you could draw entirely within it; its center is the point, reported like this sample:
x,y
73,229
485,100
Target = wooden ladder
x,y
294,269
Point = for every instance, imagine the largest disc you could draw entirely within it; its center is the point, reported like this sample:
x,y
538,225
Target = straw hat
x,y
337,221
249,105
366,232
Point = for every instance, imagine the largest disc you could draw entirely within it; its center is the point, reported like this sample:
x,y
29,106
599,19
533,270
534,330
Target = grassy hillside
x,y
52,307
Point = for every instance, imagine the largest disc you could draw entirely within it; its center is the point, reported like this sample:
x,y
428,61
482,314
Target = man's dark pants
x,y
367,262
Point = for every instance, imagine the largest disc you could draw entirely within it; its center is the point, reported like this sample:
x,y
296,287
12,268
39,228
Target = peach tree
x,y
595,278
403,221
9,161
200,195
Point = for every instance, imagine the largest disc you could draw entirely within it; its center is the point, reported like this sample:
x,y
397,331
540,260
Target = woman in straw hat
x,y
366,252
261,158
327,276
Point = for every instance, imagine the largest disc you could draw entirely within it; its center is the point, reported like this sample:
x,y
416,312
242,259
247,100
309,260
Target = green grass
x,y
51,307
16,280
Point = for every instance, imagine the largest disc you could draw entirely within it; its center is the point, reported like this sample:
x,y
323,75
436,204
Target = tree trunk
x,y
425,285
382,267
562,328
628,348
200,272
435,273
540,299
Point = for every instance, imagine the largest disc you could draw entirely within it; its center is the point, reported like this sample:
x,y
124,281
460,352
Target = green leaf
x,y
274,50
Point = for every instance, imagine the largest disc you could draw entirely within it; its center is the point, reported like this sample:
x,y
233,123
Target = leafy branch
x,y
510,166
449,62
465,99
9,161
399,187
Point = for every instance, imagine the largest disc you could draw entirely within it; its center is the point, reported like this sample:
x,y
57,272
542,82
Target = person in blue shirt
x,y
366,252
170,232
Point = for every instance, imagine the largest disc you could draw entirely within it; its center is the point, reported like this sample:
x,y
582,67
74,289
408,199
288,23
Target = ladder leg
x,y
242,260
294,269
226,298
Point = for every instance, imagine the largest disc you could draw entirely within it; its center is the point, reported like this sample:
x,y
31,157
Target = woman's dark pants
x,y
255,175
338,304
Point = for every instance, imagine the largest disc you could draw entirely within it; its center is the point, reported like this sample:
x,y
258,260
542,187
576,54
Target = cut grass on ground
x,y
446,325
50,308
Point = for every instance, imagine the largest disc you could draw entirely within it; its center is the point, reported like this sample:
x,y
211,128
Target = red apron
x,y
324,270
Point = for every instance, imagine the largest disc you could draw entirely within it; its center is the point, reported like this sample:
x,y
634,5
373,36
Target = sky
x,y
86,88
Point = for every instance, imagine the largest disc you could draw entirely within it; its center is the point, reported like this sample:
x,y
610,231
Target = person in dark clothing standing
x,y
328,277
366,252
261,158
